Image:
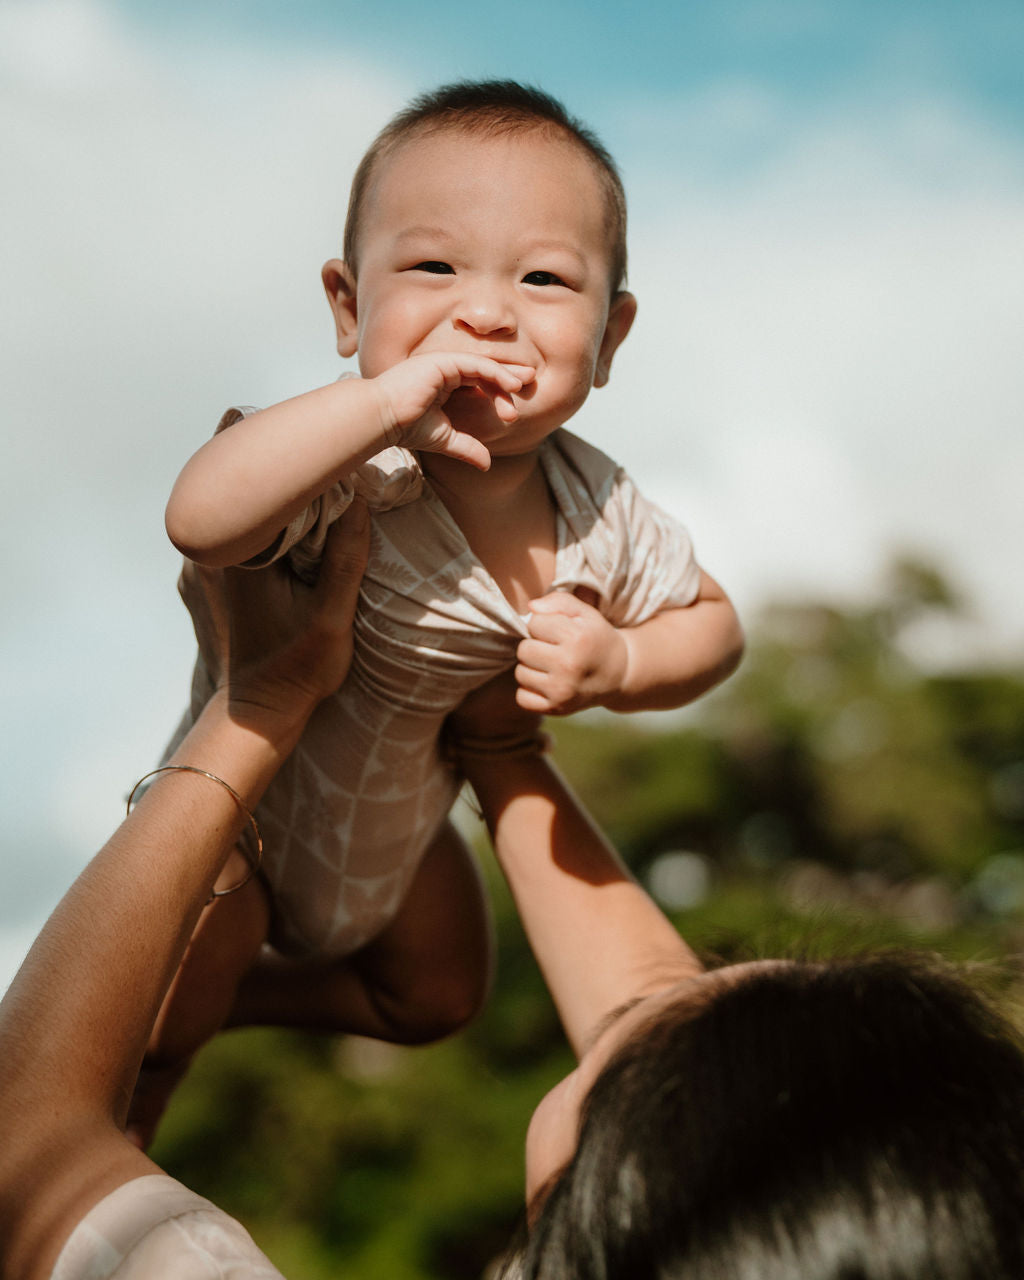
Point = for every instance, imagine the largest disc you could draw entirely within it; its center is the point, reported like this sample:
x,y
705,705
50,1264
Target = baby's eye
x,y
435,268
542,277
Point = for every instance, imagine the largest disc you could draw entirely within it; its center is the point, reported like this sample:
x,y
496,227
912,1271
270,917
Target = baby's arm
x,y
574,658
236,494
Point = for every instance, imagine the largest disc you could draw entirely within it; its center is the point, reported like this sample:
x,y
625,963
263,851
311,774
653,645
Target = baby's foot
x,y
153,1090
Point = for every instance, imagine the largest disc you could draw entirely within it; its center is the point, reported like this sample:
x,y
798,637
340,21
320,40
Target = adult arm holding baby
x,y
74,1024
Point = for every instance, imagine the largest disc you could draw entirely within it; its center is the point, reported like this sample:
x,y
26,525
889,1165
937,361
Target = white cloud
x,y
165,215
63,47
826,349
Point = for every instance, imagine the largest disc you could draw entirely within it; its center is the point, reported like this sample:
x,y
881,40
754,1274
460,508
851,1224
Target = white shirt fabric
x,y
154,1228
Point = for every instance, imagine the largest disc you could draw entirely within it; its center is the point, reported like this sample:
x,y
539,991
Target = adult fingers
x,y
343,565
202,590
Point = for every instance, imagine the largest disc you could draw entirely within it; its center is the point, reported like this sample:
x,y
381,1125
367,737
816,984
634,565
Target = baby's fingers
x,y
548,629
510,377
531,688
473,370
565,604
465,448
536,655
535,702
546,693
506,409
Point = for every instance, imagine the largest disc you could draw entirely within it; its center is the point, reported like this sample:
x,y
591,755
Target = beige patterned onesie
x,y
353,809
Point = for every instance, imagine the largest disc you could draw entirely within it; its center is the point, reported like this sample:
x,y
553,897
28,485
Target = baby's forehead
x,y
550,145
403,162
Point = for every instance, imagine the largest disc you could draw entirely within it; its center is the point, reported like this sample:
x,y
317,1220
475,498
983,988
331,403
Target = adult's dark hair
x,y
860,1120
491,108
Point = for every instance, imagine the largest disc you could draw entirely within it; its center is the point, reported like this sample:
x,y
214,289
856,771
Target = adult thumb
x,y
344,563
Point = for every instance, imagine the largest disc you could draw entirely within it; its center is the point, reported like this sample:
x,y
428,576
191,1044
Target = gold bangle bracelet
x,y
254,862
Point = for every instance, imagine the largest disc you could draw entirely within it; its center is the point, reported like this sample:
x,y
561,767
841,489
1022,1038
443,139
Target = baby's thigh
x,y
435,958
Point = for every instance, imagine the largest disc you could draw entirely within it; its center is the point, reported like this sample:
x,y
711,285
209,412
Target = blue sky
x,y
596,51
827,241
815,54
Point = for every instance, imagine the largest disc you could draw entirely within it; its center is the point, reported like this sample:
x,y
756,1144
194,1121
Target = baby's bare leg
x,y
225,941
424,977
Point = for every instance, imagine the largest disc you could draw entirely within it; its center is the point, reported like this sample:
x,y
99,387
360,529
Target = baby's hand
x,y
573,659
414,392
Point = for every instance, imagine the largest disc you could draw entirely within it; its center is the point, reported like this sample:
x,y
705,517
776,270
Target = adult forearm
x,y
236,494
598,938
76,1019
75,1022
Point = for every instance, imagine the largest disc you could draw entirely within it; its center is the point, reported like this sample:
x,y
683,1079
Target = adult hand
x,y
273,641
489,721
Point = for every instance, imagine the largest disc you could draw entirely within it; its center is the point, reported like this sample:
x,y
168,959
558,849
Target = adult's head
x,y
855,1120
490,108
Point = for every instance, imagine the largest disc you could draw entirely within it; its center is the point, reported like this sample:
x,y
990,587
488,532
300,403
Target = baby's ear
x,y
340,287
621,315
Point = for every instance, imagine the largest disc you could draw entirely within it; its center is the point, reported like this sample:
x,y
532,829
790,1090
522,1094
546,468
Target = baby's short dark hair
x,y
491,108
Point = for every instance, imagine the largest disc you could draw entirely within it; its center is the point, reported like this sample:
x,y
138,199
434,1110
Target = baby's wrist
x,y
390,428
620,668
623,658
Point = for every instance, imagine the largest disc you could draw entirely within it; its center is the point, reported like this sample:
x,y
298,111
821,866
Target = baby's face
x,y
496,246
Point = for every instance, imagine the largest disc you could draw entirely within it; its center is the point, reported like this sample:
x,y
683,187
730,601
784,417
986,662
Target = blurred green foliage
x,y
833,796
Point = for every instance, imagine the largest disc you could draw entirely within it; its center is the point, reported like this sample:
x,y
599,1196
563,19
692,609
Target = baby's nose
x,y
485,309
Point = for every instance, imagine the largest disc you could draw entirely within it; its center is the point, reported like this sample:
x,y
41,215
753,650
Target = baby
x,y
482,291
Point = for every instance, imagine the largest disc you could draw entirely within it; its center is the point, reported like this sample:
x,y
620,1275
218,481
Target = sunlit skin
x,y
552,1135
482,309
495,247
481,304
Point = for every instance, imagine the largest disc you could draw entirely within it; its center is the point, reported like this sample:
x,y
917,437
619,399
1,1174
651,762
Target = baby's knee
x,y
434,1000
444,1003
